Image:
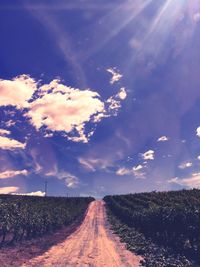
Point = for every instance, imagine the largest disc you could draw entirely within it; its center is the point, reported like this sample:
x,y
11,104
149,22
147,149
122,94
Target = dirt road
x,y
92,245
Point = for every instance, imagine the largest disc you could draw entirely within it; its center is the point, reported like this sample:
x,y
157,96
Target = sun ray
x,y
116,25
154,39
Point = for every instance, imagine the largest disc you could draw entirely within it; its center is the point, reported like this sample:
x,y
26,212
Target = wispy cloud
x,y
4,132
12,173
196,17
10,144
163,138
124,171
71,180
7,143
61,6
93,164
185,165
191,182
8,189
62,40
36,193
87,164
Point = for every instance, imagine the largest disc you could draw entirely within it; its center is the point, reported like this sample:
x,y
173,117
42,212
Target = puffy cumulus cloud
x,y
198,157
163,138
66,109
185,165
12,173
57,107
148,155
17,92
116,76
198,131
8,190
10,144
4,132
37,194
191,182
196,17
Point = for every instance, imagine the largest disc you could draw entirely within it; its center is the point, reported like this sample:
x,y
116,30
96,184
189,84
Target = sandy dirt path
x,y
92,245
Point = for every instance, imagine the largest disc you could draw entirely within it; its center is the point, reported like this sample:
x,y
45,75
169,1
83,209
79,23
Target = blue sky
x,y
99,97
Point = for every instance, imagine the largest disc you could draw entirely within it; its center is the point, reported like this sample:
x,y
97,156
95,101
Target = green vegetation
x,y
164,227
27,216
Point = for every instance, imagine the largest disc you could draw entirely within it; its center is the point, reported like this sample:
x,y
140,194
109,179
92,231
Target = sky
x,y
99,97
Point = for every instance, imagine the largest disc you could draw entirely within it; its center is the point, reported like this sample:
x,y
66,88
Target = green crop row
x,y
28,216
169,219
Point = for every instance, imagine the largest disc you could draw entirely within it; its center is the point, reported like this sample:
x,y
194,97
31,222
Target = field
x,y
163,227
92,243
24,217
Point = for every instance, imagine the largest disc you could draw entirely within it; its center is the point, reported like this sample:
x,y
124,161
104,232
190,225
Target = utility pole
x,y
45,188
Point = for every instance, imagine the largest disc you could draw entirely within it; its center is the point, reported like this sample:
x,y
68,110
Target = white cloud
x,y
191,182
123,171
148,155
137,171
65,109
8,190
196,17
57,107
114,102
71,180
9,123
37,193
17,92
4,132
116,76
10,144
185,165
198,157
86,164
163,139
92,164
122,93
198,131
11,173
